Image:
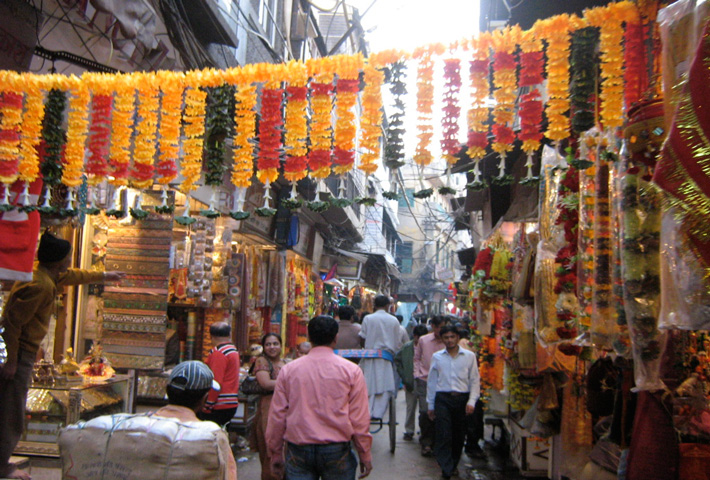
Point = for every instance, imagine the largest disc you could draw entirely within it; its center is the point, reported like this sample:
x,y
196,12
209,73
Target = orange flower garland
x,y
121,130
451,109
478,114
556,30
321,105
245,131
530,112
144,148
172,88
425,101
78,126
194,129
609,19
31,131
347,87
10,122
296,124
371,119
504,93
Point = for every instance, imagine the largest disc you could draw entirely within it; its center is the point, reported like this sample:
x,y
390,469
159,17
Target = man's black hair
x,y
449,328
381,301
220,329
322,330
400,318
420,330
346,312
185,398
437,320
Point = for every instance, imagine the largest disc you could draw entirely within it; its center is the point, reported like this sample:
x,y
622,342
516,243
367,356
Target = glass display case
x,y
52,407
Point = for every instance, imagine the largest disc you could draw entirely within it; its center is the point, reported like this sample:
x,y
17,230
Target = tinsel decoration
x,y
371,119
583,64
394,147
451,110
296,127
319,158
97,166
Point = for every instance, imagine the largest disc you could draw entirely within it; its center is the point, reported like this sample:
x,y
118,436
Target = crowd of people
x,y
315,408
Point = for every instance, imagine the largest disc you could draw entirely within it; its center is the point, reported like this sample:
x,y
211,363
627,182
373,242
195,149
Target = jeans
x,y
450,427
331,461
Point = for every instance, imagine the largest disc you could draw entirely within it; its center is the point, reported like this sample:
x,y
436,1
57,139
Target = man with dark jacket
x,y
404,361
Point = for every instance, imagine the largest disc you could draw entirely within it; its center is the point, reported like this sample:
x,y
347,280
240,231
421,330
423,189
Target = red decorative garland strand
x,y
452,110
99,138
345,158
10,138
634,64
270,135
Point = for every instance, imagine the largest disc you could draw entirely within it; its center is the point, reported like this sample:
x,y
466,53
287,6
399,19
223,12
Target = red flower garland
x,y
530,117
531,68
450,120
10,138
634,64
270,135
296,166
99,139
319,158
478,139
341,157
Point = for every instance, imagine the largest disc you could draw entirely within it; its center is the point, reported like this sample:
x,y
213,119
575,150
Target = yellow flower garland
x,y
321,129
530,43
348,68
371,119
144,147
121,129
425,101
296,120
504,83
10,120
78,126
194,118
245,131
31,130
172,86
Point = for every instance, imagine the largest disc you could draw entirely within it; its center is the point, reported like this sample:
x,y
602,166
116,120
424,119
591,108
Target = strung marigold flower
x,y
504,83
449,122
320,136
477,116
634,63
269,135
31,130
97,166
245,131
121,129
10,122
78,126
172,88
371,119
345,127
296,124
144,146
530,111
425,101
194,129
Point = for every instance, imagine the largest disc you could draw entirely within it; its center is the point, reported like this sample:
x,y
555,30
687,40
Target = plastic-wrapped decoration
x,y
3,348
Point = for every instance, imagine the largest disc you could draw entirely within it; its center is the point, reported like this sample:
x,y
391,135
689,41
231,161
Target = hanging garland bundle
x,y
425,101
556,31
97,167
218,125
144,146
371,119
583,62
270,134
504,93
10,121
172,88
451,109
530,110
634,68
319,158
121,130
77,129
347,87
296,125
477,116
31,131
245,131
194,129
394,148
51,148
609,19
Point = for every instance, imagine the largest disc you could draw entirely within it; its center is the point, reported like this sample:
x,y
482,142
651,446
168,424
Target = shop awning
x,y
357,256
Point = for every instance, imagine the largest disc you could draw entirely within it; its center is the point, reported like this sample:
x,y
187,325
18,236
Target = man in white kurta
x,y
380,331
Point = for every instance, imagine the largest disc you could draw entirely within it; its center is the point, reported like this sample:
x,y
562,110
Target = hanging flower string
x,y
371,119
144,148
348,86
634,67
122,129
245,131
172,88
270,134
584,65
194,129
78,126
425,102
478,113
394,147
530,111
10,122
31,131
97,167
451,109
321,105
296,125
504,83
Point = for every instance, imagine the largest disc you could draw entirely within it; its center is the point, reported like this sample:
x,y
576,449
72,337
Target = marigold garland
x,y
319,158
371,119
10,122
194,129
172,88
77,129
451,109
31,131
121,130
634,68
296,125
144,145
478,114
345,126
97,167
504,83
425,101
530,111
270,135
245,131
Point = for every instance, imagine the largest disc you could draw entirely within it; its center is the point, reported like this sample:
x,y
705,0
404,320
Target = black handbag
x,y
250,385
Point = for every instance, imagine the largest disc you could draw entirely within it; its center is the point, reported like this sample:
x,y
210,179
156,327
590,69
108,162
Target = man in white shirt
x,y
453,387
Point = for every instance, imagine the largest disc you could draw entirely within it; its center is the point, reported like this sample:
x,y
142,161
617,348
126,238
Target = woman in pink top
x,y
266,369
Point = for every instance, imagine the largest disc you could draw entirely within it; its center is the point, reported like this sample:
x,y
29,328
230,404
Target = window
x,y
268,15
409,194
404,257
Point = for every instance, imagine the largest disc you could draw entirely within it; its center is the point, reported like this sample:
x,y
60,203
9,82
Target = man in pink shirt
x,y
320,404
423,352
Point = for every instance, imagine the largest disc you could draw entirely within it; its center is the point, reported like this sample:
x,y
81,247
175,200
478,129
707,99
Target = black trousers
x,y
474,428
450,429
220,417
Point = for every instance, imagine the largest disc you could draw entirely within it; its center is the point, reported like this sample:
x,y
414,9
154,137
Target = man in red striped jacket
x,y
223,360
